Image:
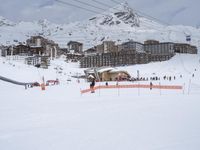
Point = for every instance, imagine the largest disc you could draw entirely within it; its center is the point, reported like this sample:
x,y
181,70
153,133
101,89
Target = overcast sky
x,y
184,12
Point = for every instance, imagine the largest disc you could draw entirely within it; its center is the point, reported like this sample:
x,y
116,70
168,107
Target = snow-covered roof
x,y
74,53
100,70
116,71
90,76
36,46
105,69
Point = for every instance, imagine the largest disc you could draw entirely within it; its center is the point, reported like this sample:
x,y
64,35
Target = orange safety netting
x,y
169,87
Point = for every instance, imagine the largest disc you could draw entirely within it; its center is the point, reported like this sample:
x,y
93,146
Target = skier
x,y
92,84
57,81
117,83
164,77
151,85
193,75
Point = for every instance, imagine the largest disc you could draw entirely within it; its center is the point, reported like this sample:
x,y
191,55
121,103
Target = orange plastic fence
x,y
168,87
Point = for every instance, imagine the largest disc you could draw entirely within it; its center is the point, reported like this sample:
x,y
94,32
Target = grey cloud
x,y
176,11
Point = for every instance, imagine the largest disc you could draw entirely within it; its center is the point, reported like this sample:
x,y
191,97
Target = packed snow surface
x,y
61,118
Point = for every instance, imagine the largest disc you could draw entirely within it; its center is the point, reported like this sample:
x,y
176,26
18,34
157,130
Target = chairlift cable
x,y
70,4
88,4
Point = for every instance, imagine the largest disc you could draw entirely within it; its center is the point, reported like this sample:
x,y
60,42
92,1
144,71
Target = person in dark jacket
x,y
151,85
92,84
106,83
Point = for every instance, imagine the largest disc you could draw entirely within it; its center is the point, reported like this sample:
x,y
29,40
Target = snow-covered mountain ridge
x,y
119,24
5,22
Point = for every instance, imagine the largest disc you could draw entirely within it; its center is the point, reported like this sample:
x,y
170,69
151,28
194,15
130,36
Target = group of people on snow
x,y
154,78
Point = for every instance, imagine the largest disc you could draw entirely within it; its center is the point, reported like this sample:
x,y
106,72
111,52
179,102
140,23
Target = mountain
x,y
119,24
5,22
117,15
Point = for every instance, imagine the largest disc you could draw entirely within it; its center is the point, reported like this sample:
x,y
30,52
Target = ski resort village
x,y
119,80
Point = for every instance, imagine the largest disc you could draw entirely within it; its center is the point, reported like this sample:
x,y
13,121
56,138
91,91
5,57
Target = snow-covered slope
x,y
119,15
61,118
181,64
5,22
120,24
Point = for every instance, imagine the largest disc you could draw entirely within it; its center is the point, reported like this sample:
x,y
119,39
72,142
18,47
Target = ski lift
x,y
187,35
188,38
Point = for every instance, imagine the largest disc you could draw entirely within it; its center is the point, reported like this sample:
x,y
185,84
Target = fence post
x,y
183,88
189,86
99,89
118,92
160,88
80,92
138,88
